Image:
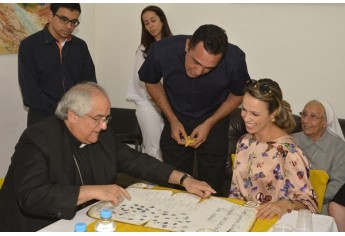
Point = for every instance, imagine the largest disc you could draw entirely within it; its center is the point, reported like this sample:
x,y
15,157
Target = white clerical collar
x,y
82,145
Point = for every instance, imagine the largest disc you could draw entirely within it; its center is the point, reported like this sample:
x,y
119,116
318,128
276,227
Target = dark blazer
x,y
41,184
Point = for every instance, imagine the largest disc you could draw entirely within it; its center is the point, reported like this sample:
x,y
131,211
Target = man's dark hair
x,y
54,7
214,38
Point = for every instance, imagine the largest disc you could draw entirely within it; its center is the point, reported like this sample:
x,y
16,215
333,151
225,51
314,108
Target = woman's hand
x,y
269,210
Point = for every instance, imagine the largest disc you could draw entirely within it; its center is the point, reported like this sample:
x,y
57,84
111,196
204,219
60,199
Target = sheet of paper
x,y
144,206
181,211
213,213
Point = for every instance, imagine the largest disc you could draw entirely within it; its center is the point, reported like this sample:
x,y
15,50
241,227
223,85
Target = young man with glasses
x,y
52,60
68,160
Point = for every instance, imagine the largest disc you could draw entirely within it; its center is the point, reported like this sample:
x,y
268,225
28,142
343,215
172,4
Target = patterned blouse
x,y
270,171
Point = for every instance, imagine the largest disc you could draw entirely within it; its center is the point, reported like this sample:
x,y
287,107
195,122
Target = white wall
x,y
301,46
13,115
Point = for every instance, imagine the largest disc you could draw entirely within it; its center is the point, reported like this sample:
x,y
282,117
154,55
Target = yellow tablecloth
x,y
260,225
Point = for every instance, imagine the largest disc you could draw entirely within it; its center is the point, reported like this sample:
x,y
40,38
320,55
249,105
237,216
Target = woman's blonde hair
x,y
268,91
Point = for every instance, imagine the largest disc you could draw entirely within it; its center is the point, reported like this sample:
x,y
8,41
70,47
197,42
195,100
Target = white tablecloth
x,y
321,223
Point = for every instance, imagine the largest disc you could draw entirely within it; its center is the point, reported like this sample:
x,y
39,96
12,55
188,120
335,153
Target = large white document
x,y
180,211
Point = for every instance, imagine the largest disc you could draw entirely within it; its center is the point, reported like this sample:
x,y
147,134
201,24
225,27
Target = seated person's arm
x,y
112,193
300,194
337,175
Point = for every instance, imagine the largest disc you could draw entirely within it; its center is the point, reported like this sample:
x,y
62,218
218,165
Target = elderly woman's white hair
x,y
333,125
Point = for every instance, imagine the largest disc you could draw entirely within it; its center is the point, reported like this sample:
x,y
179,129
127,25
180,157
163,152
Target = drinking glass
x,y
304,221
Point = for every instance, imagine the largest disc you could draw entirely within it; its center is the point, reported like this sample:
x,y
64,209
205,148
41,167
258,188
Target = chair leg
x,y
136,145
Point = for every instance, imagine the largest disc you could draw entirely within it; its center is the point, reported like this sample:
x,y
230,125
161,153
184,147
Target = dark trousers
x,y
211,155
34,116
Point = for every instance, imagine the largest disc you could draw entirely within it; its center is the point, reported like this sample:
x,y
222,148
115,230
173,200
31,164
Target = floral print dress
x,y
270,171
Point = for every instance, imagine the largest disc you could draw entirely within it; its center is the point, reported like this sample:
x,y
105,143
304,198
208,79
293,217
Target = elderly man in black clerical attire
x,y
70,159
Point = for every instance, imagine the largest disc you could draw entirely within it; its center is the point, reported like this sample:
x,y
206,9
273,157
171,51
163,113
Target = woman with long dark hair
x,y
154,28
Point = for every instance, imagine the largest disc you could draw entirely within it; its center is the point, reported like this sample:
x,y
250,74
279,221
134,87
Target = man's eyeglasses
x,y
263,87
101,120
312,117
64,20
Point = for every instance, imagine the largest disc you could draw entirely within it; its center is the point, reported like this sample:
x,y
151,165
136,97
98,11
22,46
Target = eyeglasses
x,y
64,20
313,117
264,89
101,120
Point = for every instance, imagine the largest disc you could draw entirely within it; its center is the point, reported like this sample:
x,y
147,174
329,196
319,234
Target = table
x,y
68,225
321,223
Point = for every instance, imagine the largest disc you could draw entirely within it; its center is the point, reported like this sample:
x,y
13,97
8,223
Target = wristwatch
x,y
183,178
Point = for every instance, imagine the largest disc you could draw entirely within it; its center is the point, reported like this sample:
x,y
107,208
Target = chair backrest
x,y
126,126
1,182
319,180
233,159
124,121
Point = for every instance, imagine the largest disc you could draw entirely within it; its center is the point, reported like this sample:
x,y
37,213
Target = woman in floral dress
x,y
270,169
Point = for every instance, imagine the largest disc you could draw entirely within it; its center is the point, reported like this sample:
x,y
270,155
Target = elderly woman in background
x,y
270,169
322,141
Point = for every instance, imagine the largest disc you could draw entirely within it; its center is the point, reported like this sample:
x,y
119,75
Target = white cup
x,y
283,228
304,221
